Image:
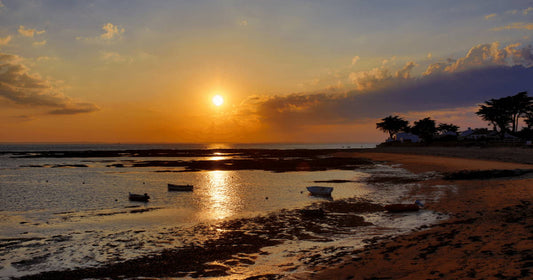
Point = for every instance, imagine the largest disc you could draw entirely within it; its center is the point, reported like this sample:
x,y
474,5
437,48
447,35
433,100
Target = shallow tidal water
x,y
57,215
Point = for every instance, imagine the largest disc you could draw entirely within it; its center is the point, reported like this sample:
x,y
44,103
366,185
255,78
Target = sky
x,y
289,71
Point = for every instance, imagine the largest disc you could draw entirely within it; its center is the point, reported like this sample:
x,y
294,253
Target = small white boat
x,y
139,197
180,188
321,191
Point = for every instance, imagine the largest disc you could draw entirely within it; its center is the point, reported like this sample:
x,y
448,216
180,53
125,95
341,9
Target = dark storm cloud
x,y
485,72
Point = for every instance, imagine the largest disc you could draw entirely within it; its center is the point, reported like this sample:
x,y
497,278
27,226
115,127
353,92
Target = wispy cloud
x,y
114,57
491,16
355,59
508,13
29,32
515,25
39,43
17,85
44,58
4,41
111,33
75,108
22,118
525,11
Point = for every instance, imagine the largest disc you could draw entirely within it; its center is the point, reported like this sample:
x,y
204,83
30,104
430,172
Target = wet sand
x,y
487,237
489,234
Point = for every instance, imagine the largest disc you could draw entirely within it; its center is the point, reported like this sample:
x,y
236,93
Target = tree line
x,y
504,114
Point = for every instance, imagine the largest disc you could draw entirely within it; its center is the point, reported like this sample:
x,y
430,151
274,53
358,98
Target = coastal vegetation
x,y
504,115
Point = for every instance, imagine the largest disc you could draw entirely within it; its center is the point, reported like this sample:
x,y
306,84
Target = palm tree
x,y
392,125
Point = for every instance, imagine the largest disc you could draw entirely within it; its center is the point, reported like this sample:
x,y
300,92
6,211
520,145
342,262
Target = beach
x,y
489,233
469,228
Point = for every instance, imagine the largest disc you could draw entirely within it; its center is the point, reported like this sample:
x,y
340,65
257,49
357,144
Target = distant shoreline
x,y
503,154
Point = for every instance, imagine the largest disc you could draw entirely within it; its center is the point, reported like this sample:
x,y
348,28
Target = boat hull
x,y
180,188
138,197
320,191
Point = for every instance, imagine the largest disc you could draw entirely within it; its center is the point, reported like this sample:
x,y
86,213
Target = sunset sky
x,y
289,71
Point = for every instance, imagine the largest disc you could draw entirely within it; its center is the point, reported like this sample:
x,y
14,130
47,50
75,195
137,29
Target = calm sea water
x,y
60,218
107,147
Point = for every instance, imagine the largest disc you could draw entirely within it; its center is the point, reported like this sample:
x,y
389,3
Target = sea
x,y
67,213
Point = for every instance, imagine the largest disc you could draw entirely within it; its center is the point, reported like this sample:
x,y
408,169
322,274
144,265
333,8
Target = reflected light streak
x,y
214,146
222,198
215,158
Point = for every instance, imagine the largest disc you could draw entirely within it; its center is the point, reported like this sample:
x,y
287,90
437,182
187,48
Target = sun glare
x,y
218,100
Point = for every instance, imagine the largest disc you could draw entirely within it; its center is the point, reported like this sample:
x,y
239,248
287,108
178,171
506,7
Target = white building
x,y
406,137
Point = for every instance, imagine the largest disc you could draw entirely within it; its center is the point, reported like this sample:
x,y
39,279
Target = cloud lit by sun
x,y
218,100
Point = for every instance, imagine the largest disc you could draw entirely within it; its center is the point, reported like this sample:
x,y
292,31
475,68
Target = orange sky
x,y
296,71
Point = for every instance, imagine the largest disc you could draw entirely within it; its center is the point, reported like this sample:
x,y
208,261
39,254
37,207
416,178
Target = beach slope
x,y
489,234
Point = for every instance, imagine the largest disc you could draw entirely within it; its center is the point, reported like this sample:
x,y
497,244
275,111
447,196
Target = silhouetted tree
x,y
518,106
529,118
504,113
424,128
392,125
445,127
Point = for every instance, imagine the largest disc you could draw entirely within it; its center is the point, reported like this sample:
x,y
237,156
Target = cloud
x,y
370,79
380,77
75,108
114,57
29,32
243,22
485,55
111,31
20,87
527,11
4,41
491,16
1,4
355,59
44,58
22,118
451,90
405,72
39,43
485,72
515,25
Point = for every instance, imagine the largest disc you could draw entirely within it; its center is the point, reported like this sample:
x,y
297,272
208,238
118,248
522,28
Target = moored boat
x,y
139,197
180,188
320,191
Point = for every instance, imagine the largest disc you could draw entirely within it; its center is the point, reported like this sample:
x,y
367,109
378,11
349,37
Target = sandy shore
x,y
489,235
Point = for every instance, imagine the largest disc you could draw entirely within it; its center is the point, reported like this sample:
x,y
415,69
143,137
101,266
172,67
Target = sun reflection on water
x,y
216,157
222,198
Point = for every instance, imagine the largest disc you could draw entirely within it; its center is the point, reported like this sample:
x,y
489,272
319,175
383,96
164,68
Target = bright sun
x,y
218,100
